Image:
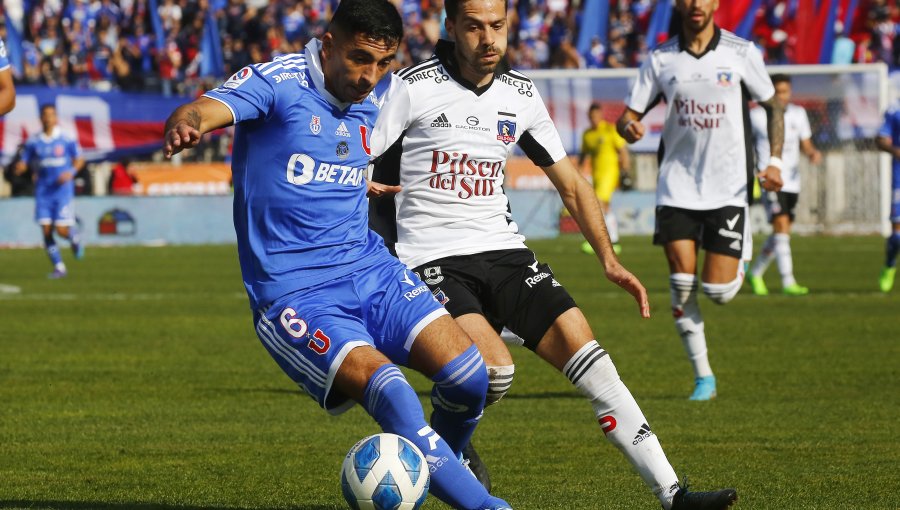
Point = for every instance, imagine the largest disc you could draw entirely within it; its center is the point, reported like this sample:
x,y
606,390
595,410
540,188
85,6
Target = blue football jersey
x,y
4,58
891,129
52,155
299,163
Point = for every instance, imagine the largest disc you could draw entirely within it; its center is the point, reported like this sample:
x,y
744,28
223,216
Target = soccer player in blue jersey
x,y
889,141
56,159
7,102
335,310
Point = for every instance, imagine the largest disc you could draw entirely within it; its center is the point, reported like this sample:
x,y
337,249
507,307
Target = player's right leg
x,y
892,247
678,231
413,329
67,227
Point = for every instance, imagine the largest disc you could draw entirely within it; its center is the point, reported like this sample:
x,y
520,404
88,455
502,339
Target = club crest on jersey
x,y
440,296
343,150
238,78
506,131
58,150
315,124
724,78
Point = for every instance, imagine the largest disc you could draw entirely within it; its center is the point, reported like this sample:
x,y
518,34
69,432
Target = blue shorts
x,y
310,332
54,211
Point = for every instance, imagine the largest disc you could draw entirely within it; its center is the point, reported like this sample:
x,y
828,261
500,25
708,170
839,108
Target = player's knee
x,y
722,293
683,289
500,378
460,387
392,402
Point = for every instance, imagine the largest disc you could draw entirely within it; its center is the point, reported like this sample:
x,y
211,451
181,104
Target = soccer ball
x,y
384,472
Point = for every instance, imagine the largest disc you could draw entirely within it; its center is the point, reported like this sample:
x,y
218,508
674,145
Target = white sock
x,y
689,322
612,226
765,257
784,260
593,373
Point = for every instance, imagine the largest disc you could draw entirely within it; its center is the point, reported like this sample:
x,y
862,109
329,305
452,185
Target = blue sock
x,y
52,251
396,407
893,248
458,398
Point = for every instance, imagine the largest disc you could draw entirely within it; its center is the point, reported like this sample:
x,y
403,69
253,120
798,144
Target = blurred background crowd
x,y
183,46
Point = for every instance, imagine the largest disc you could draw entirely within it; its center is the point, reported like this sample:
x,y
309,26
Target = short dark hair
x,y
377,19
47,105
780,78
452,7
595,106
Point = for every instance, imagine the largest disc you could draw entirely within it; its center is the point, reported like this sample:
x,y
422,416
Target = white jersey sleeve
x,y
541,142
645,91
395,117
756,78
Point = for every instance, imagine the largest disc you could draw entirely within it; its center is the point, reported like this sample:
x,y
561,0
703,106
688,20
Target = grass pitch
x,y
138,383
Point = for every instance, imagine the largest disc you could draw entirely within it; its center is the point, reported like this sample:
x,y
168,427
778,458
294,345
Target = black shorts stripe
x,y
594,359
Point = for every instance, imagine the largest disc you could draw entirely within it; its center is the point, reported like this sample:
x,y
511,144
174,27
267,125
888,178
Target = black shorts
x,y
780,202
720,230
508,287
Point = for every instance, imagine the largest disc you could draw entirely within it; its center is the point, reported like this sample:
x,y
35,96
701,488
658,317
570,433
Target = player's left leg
x,y
892,246
67,227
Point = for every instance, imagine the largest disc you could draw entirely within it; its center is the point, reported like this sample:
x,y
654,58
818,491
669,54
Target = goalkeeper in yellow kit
x,y
609,157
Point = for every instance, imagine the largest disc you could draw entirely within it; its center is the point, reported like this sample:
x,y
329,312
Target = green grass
x,y
138,382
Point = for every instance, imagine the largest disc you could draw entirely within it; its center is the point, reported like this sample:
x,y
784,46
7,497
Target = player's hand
x,y
64,177
376,189
181,136
816,158
617,274
770,179
634,131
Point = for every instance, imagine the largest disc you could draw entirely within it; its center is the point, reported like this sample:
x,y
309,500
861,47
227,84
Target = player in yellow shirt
x,y
609,154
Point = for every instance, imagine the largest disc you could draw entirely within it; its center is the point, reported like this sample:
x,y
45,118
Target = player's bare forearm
x,y
629,125
809,150
775,127
7,92
884,143
191,121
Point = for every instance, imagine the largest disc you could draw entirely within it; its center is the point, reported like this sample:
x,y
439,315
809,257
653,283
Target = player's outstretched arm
x,y
579,198
629,125
770,178
191,121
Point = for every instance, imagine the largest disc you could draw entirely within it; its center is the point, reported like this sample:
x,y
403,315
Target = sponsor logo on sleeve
x,y
238,78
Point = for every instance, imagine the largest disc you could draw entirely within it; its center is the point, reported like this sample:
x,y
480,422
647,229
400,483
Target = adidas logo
x,y
735,245
342,131
643,433
440,122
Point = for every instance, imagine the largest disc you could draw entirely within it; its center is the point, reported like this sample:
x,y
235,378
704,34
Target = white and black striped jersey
x,y
796,129
450,140
706,150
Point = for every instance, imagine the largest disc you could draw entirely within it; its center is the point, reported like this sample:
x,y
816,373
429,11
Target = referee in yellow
x,y
609,155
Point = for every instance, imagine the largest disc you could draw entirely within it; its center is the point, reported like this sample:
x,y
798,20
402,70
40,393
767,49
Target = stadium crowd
x,y
111,44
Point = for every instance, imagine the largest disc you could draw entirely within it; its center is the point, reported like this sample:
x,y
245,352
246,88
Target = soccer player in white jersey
x,y
704,74
334,309
446,131
780,204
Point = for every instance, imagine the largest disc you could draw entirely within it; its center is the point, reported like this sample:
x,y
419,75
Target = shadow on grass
x,y
101,505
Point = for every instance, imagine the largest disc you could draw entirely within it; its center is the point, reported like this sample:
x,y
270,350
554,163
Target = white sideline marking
x,y
9,289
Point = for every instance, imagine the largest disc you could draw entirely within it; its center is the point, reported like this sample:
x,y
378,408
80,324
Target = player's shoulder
x,y
670,46
427,73
517,81
730,41
290,67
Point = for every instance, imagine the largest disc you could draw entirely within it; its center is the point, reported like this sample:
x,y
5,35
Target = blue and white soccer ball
x,y
384,472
